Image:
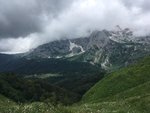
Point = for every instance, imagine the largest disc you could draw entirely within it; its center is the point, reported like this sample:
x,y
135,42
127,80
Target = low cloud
x,y
25,25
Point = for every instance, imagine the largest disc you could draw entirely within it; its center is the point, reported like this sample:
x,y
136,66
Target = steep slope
x,y
108,49
122,84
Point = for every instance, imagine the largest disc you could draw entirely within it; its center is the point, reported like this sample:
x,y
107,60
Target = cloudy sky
x,y
25,24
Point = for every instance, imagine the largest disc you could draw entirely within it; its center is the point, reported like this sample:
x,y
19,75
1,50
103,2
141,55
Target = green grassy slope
x,y
131,105
124,91
120,81
134,100
8,106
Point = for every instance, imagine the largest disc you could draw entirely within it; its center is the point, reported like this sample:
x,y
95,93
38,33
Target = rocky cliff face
x,y
109,49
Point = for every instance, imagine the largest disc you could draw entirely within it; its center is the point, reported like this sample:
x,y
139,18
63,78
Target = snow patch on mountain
x,y
115,39
105,64
122,35
49,57
73,52
73,45
57,57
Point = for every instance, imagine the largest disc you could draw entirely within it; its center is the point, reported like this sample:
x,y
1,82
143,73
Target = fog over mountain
x,y
25,24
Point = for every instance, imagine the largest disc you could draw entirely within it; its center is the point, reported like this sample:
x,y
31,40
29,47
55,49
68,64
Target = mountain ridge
x,y
100,47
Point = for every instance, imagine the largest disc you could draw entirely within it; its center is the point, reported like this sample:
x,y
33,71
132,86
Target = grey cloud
x,y
22,17
144,5
29,23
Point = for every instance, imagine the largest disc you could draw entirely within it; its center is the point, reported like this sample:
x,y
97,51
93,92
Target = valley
x,y
74,56
129,92
106,72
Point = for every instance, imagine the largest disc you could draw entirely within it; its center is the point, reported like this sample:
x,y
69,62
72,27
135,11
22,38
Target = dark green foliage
x,y
29,90
77,77
45,65
76,82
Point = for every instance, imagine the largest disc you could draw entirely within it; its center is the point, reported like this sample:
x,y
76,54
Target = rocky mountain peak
x,y
104,48
121,35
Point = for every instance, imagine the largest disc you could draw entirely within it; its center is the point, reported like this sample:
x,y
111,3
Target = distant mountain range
x,y
108,49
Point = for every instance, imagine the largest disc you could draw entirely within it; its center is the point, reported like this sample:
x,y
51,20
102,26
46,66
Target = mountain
x,y
108,49
76,65
63,71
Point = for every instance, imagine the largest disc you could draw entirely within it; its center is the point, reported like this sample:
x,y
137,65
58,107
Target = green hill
x,y
124,91
120,81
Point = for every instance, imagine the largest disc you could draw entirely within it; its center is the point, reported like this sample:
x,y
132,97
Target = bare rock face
x,y
109,49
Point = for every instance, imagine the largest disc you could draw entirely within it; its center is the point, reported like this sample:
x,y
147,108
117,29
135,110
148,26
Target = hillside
x,y
77,77
128,89
22,90
124,91
120,81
